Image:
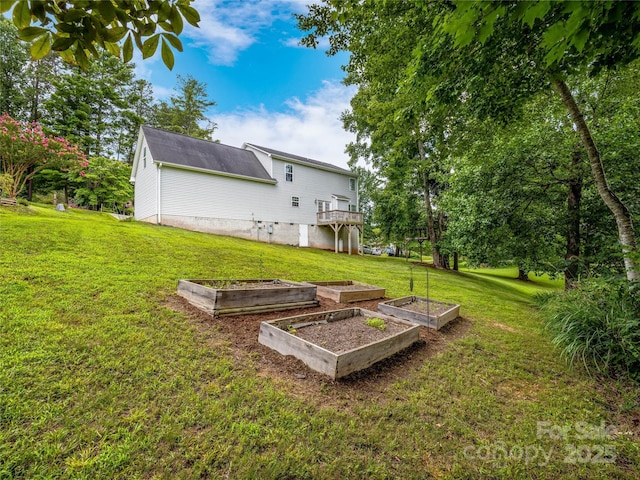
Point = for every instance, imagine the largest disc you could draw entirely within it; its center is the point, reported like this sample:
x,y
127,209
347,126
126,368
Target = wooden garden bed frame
x,y
366,292
274,335
234,297
433,320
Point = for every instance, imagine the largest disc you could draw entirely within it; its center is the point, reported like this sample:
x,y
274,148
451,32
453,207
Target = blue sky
x,y
269,90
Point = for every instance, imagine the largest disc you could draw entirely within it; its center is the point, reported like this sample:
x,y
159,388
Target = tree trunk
x,y
574,197
523,274
438,261
455,261
621,213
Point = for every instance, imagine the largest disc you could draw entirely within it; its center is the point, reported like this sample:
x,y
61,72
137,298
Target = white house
x,y
251,192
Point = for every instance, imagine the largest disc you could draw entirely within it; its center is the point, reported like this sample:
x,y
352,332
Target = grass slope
x,y
99,380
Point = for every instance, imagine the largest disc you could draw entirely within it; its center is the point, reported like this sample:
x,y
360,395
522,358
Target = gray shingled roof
x,y
178,149
300,159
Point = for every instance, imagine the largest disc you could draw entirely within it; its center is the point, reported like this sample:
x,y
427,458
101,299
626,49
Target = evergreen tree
x,y
186,111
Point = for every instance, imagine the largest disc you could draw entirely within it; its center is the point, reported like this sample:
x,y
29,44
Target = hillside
x,y
104,373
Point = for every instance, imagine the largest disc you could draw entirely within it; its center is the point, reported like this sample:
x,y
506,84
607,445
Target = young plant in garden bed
x,y
376,323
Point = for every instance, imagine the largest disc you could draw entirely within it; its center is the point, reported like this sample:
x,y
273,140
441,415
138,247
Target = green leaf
x,y
166,26
62,43
127,49
465,36
30,33
107,11
67,56
81,58
150,46
114,34
538,10
174,41
22,15
5,5
147,29
74,15
176,20
41,46
112,48
66,28
190,14
167,55
164,11
579,40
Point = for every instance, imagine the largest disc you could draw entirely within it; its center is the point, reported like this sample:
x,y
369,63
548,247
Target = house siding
x,y
244,208
196,194
309,184
145,193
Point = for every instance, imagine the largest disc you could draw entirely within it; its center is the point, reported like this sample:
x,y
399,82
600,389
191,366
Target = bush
x,y
598,324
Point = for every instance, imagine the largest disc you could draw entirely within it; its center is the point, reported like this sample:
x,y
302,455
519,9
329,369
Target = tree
x,y
13,58
104,183
554,40
75,28
185,114
90,107
25,150
493,57
139,110
396,129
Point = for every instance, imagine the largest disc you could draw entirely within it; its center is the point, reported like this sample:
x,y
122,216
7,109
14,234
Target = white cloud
x,y
310,127
229,27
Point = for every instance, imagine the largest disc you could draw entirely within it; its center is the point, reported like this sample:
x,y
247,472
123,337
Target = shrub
x,y
598,324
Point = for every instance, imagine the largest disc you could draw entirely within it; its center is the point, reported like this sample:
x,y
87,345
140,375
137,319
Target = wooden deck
x,y
336,219
343,217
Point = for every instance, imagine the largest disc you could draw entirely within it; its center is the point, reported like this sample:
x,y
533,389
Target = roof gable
x,y
182,150
304,160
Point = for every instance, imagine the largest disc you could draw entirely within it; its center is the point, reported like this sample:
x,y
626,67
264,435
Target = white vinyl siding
x,y
311,185
195,194
146,195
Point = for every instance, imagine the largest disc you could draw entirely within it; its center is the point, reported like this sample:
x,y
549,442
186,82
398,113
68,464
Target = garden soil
x,y
239,333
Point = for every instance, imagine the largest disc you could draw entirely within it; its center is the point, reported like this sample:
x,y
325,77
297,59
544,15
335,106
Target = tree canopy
x,y
446,63
78,29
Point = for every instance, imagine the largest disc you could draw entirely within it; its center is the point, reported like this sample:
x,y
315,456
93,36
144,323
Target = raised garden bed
x,y
338,342
233,297
347,291
414,309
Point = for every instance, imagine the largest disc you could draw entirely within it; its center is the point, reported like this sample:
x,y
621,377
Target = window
x,y
288,172
295,201
324,206
353,208
352,184
144,157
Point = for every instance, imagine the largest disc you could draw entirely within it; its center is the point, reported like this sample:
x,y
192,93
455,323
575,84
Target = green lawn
x,y
98,379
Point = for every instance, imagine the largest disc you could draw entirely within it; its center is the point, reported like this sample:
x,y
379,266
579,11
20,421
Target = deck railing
x,y
339,216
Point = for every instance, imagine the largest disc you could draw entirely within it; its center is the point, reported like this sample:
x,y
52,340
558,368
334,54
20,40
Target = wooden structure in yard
x,y
419,234
439,315
275,334
234,297
338,219
347,291
8,202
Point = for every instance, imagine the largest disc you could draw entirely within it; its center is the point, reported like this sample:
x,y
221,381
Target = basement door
x,y
303,237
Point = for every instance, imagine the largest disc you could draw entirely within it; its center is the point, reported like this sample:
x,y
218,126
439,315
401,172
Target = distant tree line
x,y
99,108
510,131
476,125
